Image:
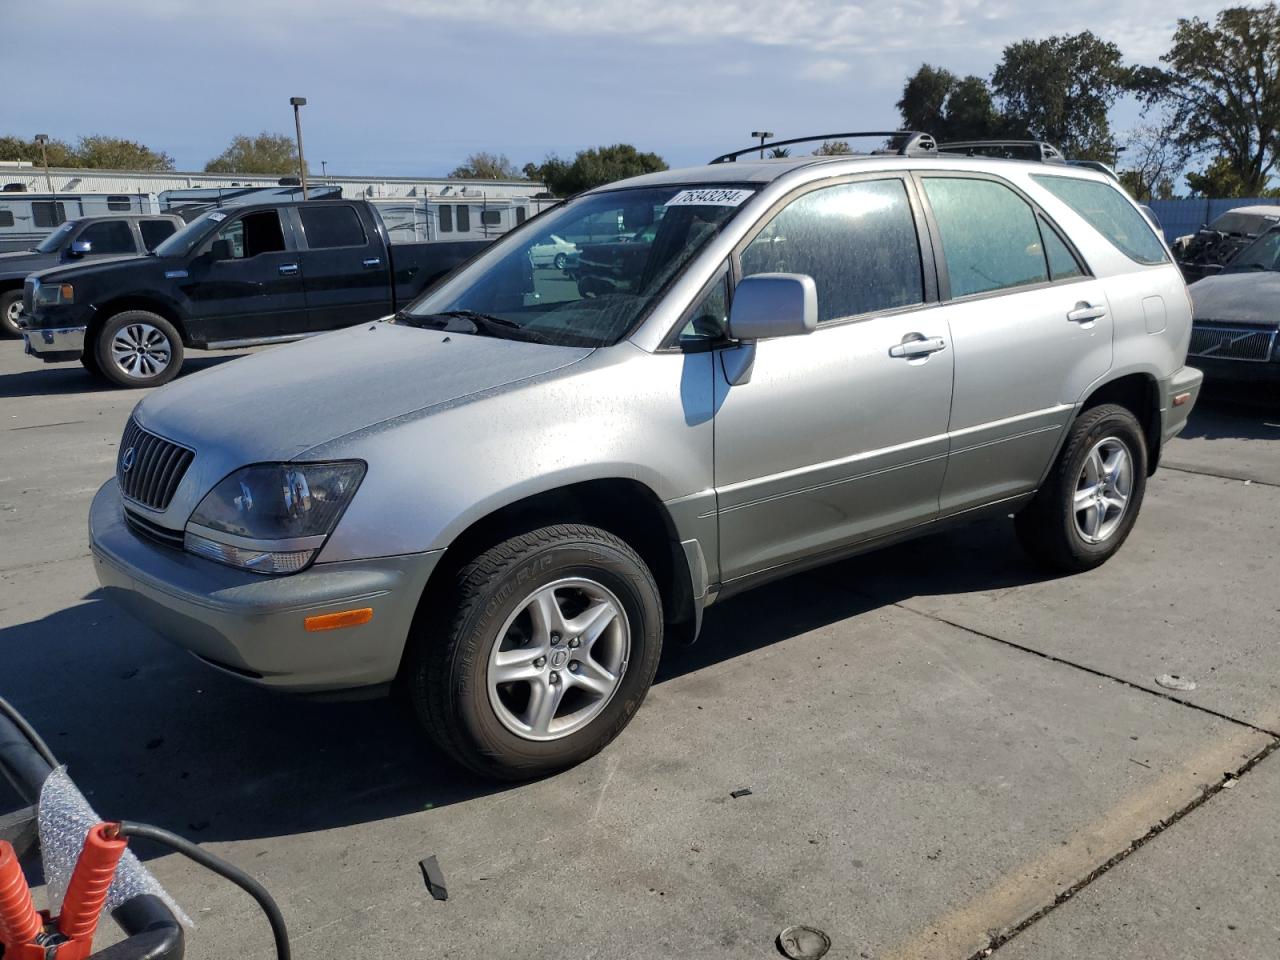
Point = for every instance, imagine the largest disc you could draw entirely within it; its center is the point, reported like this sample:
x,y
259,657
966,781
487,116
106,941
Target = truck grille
x,y
150,468
1231,343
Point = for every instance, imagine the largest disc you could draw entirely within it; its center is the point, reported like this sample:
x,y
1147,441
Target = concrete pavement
x,y
939,742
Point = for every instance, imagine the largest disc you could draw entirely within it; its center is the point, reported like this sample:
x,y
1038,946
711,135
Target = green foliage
x,y
267,153
833,148
936,101
779,153
593,168
486,166
1222,87
94,152
1060,90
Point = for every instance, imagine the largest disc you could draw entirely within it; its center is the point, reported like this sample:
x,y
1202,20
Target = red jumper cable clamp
x,y
30,935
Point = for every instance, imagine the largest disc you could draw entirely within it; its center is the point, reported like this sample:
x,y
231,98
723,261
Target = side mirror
x,y
770,305
222,249
80,247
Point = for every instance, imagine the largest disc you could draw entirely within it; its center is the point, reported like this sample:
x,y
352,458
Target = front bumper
x,y
56,344
251,625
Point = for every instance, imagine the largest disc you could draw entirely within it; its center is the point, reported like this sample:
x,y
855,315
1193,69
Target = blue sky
x,y
404,87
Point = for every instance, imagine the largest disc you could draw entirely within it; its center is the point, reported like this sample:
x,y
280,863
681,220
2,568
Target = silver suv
x,y
503,500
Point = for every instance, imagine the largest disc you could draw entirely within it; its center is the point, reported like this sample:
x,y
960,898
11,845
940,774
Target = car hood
x,y
72,271
1238,297
278,404
22,262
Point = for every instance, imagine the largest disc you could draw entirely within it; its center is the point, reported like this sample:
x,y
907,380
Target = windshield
x,y
627,247
1262,254
185,240
53,242
1248,224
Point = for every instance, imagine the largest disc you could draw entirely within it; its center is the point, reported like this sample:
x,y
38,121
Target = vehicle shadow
x,y
150,734
44,380
1235,412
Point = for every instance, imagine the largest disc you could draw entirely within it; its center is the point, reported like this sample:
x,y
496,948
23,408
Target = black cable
x,y
223,869
28,731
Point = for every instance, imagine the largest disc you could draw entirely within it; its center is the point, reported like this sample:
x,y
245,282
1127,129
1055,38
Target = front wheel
x,y
560,261
10,311
1090,502
137,348
549,648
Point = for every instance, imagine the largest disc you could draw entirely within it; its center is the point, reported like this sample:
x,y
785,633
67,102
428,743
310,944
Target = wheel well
x,y
1139,394
7,286
111,308
626,508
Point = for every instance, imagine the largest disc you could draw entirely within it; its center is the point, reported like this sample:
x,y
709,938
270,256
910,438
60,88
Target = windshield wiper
x,y
482,323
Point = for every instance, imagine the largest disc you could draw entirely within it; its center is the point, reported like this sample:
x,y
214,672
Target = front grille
x,y
153,531
149,467
1231,343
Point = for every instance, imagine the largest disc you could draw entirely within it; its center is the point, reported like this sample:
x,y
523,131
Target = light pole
x,y
43,140
324,170
297,123
763,135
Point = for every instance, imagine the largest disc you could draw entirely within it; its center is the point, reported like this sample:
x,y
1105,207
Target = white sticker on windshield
x,y
219,217
711,197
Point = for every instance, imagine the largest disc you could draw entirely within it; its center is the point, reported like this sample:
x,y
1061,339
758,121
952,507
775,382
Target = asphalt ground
x,y
946,751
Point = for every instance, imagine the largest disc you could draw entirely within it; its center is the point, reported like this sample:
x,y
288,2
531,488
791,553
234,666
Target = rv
x,y
27,218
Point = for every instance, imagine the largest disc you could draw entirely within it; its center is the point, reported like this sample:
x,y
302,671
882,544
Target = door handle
x,y
1086,313
372,262
288,269
917,345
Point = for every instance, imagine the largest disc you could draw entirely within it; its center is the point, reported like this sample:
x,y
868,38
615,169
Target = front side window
x,y
858,242
629,245
1110,213
990,239
253,234
155,231
48,213
332,226
109,236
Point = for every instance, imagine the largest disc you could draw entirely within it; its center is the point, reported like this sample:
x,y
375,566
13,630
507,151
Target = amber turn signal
x,y
336,621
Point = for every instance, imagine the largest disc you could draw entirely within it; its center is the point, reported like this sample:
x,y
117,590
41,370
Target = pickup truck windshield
x,y
53,242
587,272
185,240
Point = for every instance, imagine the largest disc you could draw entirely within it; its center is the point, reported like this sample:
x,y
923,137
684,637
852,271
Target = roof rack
x,y
912,143
1039,150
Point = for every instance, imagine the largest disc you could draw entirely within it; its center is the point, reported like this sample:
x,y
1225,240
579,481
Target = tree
x,y
1152,159
272,153
595,167
833,148
1222,86
486,166
1060,90
1219,179
114,153
779,153
935,101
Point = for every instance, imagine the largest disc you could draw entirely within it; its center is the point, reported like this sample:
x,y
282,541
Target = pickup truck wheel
x,y
548,650
1090,502
10,310
138,348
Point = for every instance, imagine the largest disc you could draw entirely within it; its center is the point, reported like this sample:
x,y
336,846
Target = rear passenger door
x,y
344,270
1031,330
839,436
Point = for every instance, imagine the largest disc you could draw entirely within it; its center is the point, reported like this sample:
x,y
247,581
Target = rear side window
x,y
332,226
857,241
990,239
154,231
1110,213
109,236
464,219
48,213
1063,264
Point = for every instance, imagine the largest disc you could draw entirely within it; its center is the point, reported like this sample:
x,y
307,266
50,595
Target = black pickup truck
x,y
86,238
234,277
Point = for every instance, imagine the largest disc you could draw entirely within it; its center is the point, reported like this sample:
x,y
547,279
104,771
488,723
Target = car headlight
x,y
272,517
55,293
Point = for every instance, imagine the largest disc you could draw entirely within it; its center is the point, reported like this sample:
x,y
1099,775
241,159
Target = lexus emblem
x,y
126,462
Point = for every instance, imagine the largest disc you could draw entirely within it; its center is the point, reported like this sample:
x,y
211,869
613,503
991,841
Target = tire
x,y
1070,537
492,728
10,307
89,360
156,336
560,261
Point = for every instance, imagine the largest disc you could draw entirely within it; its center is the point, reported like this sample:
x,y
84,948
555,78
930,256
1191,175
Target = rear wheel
x,y
10,310
1090,502
560,261
548,650
138,348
